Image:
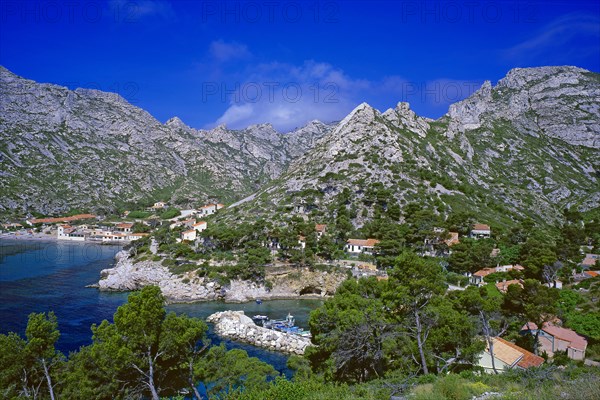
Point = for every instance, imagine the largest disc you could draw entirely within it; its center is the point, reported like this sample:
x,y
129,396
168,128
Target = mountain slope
x,y
526,147
62,149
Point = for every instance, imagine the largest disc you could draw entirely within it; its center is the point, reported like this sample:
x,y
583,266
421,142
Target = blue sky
x,y
288,62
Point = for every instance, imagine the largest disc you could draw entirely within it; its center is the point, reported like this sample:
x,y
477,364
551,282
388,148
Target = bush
x,y
138,214
182,268
170,213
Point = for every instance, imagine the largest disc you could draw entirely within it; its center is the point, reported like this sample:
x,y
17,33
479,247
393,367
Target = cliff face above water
x,y
287,283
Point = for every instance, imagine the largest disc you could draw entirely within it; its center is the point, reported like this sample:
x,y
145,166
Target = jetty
x,y
238,326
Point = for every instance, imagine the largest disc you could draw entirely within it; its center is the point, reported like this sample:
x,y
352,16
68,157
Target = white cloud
x,y
222,51
289,96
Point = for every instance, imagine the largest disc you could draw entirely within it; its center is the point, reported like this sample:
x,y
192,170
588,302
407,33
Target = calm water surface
x,y
51,276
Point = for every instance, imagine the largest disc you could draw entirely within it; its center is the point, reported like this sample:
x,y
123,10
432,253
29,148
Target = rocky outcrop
x,y
237,326
129,275
287,283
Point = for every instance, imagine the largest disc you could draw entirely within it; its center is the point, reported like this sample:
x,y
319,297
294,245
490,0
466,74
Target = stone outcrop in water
x,y
237,326
288,283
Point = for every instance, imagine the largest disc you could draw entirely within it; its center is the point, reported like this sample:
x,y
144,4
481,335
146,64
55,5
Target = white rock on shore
x,y
235,325
294,283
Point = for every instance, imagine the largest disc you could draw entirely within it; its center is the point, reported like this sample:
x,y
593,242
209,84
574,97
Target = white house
x,y
321,229
67,232
125,227
114,237
361,245
209,209
200,226
136,236
477,277
507,355
189,235
481,231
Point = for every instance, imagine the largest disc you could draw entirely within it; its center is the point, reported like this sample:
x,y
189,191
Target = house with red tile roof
x,y
189,235
481,231
555,338
321,229
452,240
361,245
200,226
124,227
477,277
507,356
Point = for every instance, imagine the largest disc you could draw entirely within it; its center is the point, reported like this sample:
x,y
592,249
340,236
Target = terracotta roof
x,y
481,227
485,272
575,340
125,225
503,286
505,353
593,274
453,239
588,261
190,231
200,223
529,359
362,242
138,234
320,227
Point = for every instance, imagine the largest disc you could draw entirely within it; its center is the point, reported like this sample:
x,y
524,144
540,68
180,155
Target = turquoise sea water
x,y
51,276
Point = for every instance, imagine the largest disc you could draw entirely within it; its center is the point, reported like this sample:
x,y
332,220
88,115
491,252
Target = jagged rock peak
x,y
518,78
176,122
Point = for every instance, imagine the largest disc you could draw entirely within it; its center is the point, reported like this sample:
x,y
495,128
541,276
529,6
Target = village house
x,y
124,227
189,235
209,209
158,206
12,225
481,231
554,338
478,277
453,239
136,236
67,232
590,261
200,226
507,356
113,237
361,246
321,229
302,242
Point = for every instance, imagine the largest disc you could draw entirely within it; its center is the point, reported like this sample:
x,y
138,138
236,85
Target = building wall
x,y
486,363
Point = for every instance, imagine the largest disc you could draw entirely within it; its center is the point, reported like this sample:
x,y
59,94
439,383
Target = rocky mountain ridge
x,y
63,149
527,147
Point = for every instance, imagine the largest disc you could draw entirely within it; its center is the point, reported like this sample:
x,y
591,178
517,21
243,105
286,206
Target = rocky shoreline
x,y
237,326
294,283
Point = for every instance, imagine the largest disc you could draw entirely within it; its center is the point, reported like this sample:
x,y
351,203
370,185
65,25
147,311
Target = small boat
x,y
260,320
258,301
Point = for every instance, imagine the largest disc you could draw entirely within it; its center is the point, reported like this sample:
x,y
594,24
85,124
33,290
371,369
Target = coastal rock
x,y
287,283
237,326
